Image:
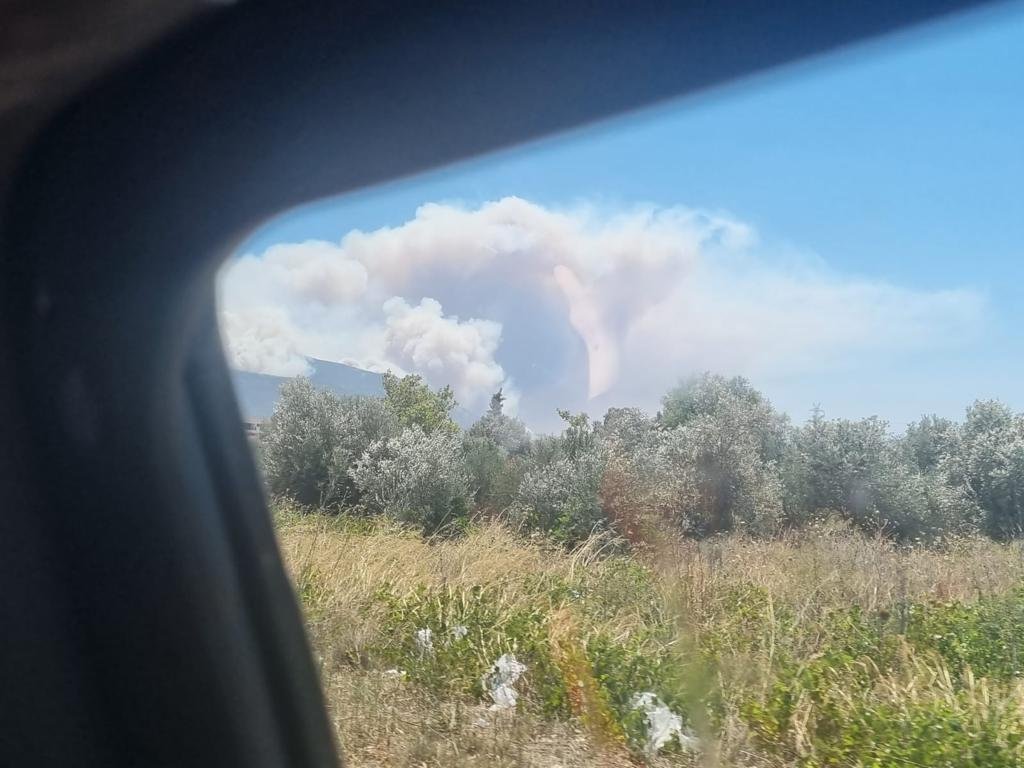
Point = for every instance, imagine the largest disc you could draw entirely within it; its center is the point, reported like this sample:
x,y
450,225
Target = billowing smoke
x,y
605,268
420,338
650,293
264,340
315,299
313,272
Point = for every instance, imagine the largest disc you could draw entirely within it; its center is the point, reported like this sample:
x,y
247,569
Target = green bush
x,y
640,663
986,636
875,696
957,729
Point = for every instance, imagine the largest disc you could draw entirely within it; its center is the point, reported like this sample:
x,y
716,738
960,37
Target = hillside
x,y
258,392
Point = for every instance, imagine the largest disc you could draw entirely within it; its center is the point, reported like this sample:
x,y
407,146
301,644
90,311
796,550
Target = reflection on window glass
x,y
692,438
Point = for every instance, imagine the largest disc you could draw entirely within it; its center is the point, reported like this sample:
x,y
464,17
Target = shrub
x,y
494,475
936,685
507,433
314,437
298,443
990,464
416,478
561,498
915,717
858,469
985,637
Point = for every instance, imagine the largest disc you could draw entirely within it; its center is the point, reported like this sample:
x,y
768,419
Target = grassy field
x,y
819,649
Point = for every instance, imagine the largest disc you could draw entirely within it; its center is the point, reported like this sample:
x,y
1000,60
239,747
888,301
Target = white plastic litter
x,y
459,631
425,640
398,673
499,681
663,724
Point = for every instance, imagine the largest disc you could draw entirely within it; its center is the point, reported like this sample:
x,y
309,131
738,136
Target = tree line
x,y
718,457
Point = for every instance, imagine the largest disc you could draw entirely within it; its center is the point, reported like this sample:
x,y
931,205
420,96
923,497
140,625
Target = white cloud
x,y
756,319
653,294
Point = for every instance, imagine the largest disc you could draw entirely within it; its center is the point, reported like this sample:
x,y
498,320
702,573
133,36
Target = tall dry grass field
x,y
821,648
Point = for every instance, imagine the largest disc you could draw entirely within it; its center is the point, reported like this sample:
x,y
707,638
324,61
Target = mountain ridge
x,y
258,393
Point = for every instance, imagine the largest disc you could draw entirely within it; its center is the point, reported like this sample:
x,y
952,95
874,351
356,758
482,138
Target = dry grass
x,y
384,721
338,571
828,565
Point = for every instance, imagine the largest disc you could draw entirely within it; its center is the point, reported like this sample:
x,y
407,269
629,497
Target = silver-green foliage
x,y
506,432
314,437
721,446
415,477
858,469
990,465
717,458
559,491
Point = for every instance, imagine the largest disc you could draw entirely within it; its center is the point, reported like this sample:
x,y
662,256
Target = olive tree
x,y
721,446
298,443
559,492
415,477
858,469
990,463
314,437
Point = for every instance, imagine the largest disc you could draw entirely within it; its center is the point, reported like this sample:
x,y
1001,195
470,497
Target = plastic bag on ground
x,y
500,680
663,725
425,640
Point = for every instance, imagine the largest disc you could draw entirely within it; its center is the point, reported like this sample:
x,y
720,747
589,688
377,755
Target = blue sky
x,y
898,164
